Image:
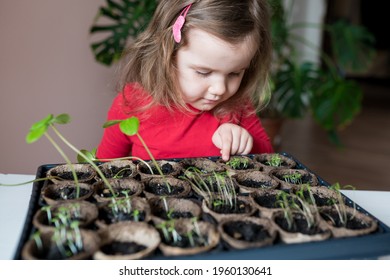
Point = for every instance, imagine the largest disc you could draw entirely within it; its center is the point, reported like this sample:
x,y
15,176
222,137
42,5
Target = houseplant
x,y
298,87
322,89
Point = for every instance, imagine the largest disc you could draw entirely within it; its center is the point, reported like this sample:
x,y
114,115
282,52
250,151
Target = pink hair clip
x,y
178,25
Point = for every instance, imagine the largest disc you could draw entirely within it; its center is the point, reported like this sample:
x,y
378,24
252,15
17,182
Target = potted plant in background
x,y
323,90
298,87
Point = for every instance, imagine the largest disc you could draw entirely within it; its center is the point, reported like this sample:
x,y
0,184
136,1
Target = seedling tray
x,y
371,246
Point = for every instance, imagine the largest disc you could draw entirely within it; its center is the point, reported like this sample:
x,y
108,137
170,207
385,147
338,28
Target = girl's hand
x,y
232,139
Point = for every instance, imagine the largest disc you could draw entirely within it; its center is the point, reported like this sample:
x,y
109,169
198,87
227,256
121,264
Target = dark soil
x,y
351,223
67,175
240,207
270,200
67,193
53,253
243,166
118,172
45,221
320,200
246,231
118,192
184,241
162,189
122,248
282,164
255,184
267,201
305,179
204,166
324,201
111,218
299,225
173,215
166,169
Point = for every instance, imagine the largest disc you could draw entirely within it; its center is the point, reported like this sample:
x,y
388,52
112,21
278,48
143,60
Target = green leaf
x,y
111,123
336,103
35,134
62,119
91,155
45,122
39,128
123,19
352,45
129,126
293,85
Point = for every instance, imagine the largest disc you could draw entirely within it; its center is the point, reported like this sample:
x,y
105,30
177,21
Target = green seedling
x,y
91,155
169,232
47,209
136,215
164,200
119,174
68,240
217,203
130,127
297,203
295,178
215,187
195,223
238,162
38,240
40,128
283,201
275,160
340,206
195,232
306,210
124,205
305,193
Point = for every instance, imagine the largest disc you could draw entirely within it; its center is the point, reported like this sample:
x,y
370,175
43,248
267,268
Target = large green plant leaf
x,y
352,45
336,103
123,19
279,28
293,86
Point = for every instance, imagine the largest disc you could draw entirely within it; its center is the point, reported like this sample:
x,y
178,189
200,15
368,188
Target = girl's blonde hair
x,y
150,59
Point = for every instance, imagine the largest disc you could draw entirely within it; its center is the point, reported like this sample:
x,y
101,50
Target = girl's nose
x,y
218,87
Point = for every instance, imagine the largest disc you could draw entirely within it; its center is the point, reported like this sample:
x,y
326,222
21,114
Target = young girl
x,y
194,79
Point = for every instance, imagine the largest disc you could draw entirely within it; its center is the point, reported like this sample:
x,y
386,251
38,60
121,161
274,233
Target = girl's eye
x,y
203,74
235,74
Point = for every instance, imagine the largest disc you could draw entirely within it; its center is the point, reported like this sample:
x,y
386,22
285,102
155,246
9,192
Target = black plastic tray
x,y
371,246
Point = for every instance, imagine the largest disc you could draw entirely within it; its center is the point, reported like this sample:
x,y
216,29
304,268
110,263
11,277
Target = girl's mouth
x,y
208,101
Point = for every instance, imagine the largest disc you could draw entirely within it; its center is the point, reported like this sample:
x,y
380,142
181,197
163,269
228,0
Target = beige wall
x,y
46,66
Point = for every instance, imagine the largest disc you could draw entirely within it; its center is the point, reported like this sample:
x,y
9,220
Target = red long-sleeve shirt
x,y
170,134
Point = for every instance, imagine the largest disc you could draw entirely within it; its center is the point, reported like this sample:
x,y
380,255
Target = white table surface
x,y
14,205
